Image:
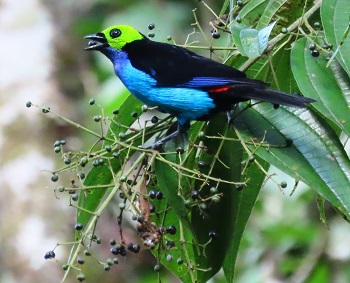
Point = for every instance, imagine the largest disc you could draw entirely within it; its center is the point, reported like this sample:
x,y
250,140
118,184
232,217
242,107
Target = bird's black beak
x,y
97,41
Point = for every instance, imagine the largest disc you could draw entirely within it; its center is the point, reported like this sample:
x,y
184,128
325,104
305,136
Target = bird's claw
x,y
155,146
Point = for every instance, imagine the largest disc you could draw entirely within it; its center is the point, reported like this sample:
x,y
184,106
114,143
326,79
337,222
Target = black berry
x,y
215,35
152,194
78,226
195,195
315,53
159,195
171,230
50,254
154,119
312,46
136,248
80,260
213,235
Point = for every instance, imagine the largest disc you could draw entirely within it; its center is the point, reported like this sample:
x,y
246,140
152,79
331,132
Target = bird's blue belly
x,y
185,103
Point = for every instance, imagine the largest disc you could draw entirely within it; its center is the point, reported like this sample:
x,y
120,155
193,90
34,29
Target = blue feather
x,y
200,82
184,102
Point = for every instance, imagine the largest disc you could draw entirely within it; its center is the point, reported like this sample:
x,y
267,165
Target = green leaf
x,y
317,81
175,187
252,42
252,11
89,200
243,203
315,156
164,217
168,180
270,10
225,158
224,163
335,16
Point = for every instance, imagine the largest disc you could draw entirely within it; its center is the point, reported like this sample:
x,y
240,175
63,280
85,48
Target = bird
x,y
178,81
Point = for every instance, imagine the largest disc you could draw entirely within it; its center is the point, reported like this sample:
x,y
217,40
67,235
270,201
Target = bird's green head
x,y
115,36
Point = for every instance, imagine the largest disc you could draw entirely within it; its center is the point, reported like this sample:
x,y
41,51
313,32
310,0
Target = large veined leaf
x,y
317,81
205,256
243,203
335,16
270,10
225,158
227,218
315,154
252,10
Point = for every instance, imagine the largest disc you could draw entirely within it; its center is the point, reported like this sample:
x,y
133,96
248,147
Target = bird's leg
x,y
181,130
230,119
158,144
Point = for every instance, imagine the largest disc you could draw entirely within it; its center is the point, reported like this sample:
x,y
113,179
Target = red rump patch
x,y
220,89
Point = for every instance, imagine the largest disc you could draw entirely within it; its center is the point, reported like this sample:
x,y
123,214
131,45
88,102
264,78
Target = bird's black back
x,y
174,66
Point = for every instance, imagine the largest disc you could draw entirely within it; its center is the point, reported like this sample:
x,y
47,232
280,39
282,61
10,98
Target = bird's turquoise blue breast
x,y
185,103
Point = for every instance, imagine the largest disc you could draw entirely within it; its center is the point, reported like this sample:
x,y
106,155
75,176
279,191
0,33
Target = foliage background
x,y
42,60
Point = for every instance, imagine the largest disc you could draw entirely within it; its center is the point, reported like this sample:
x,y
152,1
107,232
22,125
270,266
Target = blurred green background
x,y
42,60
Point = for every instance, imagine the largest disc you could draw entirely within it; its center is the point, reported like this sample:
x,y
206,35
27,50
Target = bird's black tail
x,y
277,97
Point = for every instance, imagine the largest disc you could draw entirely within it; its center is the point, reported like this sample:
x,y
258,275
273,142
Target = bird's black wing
x,y
174,66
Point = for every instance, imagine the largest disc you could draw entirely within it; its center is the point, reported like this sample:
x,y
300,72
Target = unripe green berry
x,y
123,178
317,25
83,161
283,184
45,109
75,197
81,175
213,190
54,177
201,134
81,277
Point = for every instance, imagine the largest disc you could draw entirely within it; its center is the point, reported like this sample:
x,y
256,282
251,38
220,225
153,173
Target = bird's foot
x,y
158,145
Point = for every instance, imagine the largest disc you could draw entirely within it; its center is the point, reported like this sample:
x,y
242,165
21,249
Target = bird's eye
x,y
115,33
